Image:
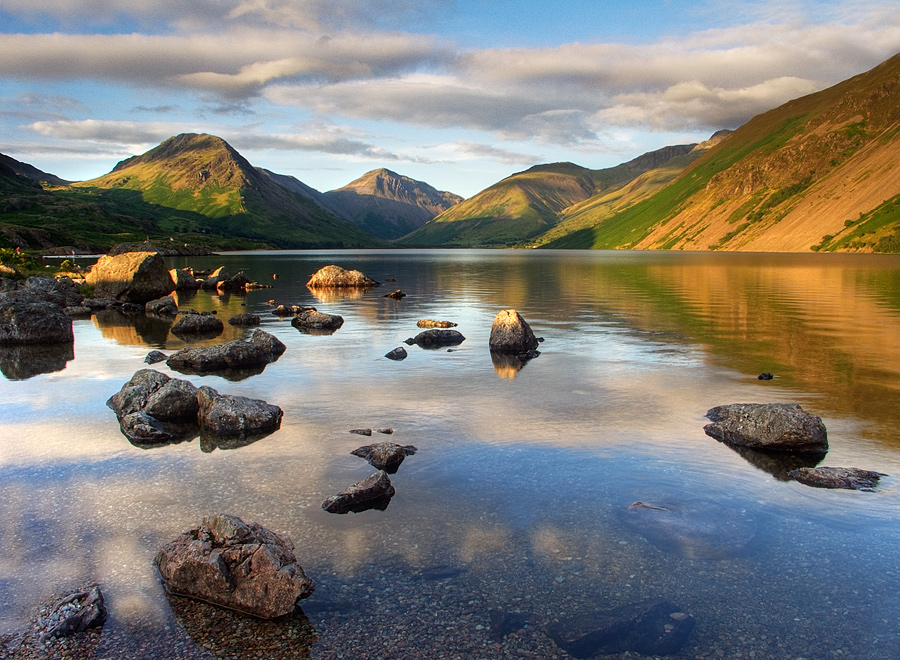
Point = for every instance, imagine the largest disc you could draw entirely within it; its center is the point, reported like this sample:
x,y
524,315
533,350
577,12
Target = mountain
x,y
528,204
31,172
205,176
387,205
817,173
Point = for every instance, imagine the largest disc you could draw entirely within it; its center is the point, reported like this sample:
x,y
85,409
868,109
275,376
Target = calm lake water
x,y
516,504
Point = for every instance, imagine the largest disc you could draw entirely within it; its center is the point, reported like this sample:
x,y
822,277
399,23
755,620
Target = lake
x,y
514,513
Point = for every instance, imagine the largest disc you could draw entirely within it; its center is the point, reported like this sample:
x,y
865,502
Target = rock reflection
x,y
209,442
133,329
21,362
338,294
778,464
233,375
227,634
507,365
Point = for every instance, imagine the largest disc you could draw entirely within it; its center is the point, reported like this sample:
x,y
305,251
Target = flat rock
x,y
335,276
837,477
228,415
312,319
226,562
385,456
510,333
770,426
428,323
647,627
373,492
436,338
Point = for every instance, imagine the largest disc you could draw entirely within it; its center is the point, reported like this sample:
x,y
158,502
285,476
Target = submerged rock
x,y
436,338
770,426
511,334
335,276
72,614
654,627
246,568
837,477
385,456
373,492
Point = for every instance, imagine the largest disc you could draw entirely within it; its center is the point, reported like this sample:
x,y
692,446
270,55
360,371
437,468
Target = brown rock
x,y
385,456
428,323
511,334
228,415
837,477
770,426
226,562
131,277
335,276
374,492
311,319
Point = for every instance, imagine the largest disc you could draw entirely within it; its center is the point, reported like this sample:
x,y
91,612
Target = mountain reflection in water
x,y
516,505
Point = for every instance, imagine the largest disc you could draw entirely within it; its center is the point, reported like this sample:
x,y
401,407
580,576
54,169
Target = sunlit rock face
x,y
335,276
511,333
131,277
227,562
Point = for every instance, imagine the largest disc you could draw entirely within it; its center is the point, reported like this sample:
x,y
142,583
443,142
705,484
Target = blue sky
x,y
458,93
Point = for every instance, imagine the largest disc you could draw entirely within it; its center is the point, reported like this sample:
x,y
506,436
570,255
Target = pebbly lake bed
x,y
514,513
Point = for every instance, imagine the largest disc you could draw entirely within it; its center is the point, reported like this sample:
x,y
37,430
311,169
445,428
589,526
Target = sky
x,y
456,93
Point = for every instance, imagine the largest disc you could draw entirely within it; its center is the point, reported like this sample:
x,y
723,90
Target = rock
x,y
311,319
162,306
511,334
72,614
78,312
226,562
269,343
697,529
396,295
385,456
428,323
101,304
218,275
62,291
361,431
227,415
184,279
33,322
153,408
837,477
436,338
765,376
244,320
131,277
646,627
398,354
198,324
155,356
771,426
237,283
374,492
335,276
260,350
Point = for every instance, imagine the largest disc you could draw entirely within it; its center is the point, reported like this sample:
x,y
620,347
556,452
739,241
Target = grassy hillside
x,y
816,173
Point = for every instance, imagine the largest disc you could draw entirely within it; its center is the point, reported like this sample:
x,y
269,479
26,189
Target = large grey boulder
x,y
510,333
24,321
228,415
373,492
770,426
261,349
335,276
654,627
226,562
135,277
155,409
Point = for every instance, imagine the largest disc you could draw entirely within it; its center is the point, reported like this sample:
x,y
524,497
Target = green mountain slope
x,y
203,175
816,173
528,204
388,205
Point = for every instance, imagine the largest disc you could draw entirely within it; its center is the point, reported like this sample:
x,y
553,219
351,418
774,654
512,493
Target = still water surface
x,y
517,500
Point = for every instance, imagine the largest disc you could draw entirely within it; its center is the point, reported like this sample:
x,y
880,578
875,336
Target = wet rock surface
x,y
228,415
335,276
837,477
397,354
260,350
194,324
373,492
436,338
155,409
385,456
226,562
653,627
769,426
312,319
